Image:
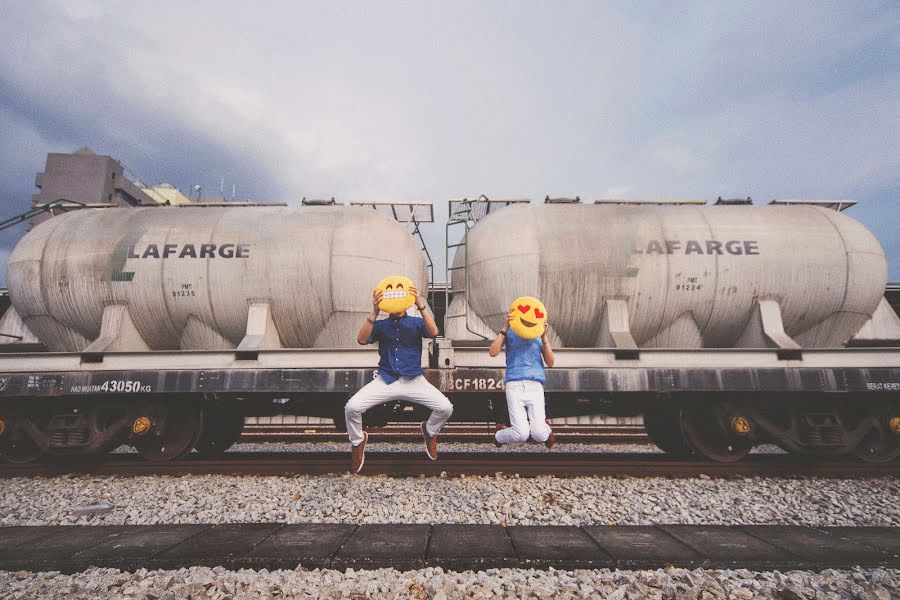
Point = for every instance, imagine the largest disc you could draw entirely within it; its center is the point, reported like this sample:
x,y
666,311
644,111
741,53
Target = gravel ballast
x,y
436,584
505,500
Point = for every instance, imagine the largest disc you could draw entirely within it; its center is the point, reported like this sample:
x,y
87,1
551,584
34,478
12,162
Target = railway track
x,y
451,433
460,463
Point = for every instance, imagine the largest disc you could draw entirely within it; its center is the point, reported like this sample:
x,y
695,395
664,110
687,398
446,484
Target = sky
x,y
428,101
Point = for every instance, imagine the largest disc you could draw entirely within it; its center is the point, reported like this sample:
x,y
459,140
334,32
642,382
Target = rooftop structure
x,y
86,178
165,193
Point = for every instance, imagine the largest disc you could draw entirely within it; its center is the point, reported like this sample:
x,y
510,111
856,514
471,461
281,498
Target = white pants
x,y
414,389
525,400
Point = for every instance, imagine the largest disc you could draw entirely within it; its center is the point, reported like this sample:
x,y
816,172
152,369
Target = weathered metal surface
x,y
464,358
345,371
691,276
14,331
454,382
882,329
187,278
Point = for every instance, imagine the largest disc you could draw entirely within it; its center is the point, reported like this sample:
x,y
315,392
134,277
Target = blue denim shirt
x,y
399,346
524,361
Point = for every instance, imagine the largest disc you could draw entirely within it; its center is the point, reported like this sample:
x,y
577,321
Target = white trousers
x,y
414,389
525,400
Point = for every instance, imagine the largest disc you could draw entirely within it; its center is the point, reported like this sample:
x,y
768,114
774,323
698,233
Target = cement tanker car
x,y
725,326
676,276
143,279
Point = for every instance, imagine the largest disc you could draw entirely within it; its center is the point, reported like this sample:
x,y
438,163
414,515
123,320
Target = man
x,y
525,379
399,377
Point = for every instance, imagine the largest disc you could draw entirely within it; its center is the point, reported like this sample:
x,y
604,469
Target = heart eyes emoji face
x,y
529,317
395,296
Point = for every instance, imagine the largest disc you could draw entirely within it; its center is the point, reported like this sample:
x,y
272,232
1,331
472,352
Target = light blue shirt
x,y
523,358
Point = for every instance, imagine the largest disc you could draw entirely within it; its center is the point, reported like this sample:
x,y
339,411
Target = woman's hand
x,y
498,342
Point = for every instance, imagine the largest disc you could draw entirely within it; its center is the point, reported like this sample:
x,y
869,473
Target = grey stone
x,y
498,500
91,509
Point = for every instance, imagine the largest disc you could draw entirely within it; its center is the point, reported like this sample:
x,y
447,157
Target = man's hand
x,y
376,300
431,327
415,294
362,337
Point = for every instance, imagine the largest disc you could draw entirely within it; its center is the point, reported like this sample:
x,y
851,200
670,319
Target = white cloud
x,y
4,260
431,101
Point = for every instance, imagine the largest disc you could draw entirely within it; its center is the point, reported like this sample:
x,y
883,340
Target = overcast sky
x,y
431,101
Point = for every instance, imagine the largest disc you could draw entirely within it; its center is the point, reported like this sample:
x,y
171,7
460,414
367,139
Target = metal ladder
x,y
39,209
463,214
416,233
466,213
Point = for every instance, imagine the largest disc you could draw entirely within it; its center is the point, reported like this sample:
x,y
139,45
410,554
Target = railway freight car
x,y
726,326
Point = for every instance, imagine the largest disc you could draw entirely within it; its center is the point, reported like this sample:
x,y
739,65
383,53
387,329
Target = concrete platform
x,y
373,546
643,546
557,546
453,547
471,547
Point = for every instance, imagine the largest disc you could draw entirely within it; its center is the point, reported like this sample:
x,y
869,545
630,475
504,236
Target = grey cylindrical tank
x,y
690,276
189,275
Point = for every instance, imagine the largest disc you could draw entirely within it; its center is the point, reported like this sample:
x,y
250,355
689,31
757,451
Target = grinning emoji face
x,y
395,295
529,319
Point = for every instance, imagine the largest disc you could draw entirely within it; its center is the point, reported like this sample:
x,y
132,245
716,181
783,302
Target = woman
x,y
525,379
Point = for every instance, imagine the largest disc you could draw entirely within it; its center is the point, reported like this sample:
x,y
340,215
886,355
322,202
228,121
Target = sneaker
x,y
552,439
358,454
498,427
430,443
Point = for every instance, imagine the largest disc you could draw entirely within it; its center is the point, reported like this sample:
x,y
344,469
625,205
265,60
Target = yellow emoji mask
x,y
529,317
395,294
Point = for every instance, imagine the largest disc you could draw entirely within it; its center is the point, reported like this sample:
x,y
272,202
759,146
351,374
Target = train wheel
x,y
717,434
663,426
882,443
16,446
221,429
167,431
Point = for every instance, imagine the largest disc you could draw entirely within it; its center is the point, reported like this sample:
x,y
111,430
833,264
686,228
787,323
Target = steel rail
x,y
457,463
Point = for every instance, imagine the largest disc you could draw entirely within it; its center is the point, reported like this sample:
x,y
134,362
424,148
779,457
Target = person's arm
x,y
498,342
362,338
547,351
431,327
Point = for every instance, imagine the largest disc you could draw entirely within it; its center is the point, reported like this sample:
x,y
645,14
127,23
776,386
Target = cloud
x,y
4,259
432,101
